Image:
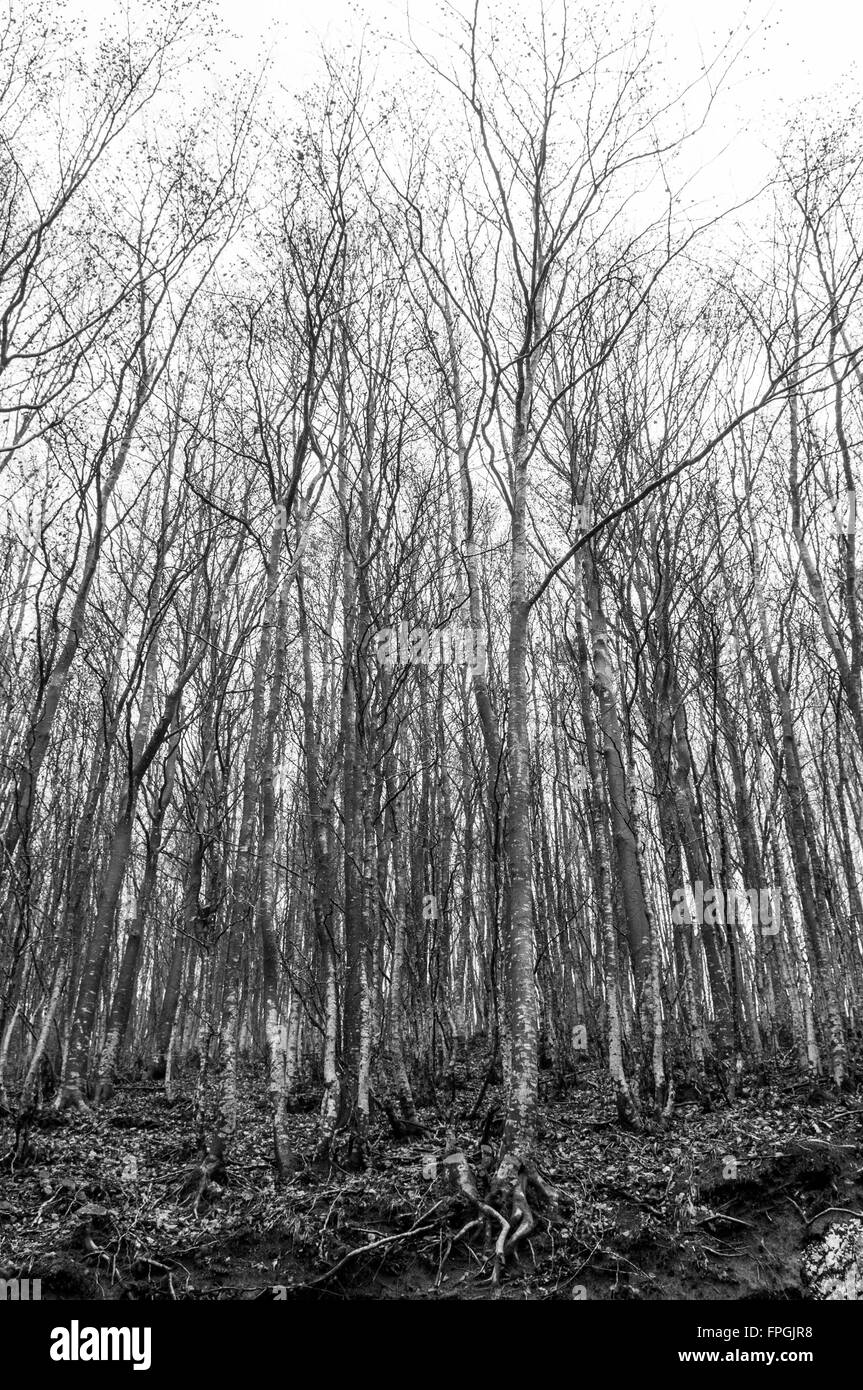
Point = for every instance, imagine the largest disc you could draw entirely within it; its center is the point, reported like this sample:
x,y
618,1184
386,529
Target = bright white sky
x,y
798,50
807,42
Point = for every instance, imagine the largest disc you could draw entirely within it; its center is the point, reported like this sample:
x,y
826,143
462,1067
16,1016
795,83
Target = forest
x,y
431,636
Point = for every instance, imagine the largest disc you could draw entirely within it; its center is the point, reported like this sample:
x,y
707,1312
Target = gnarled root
x,y
517,1182
462,1182
197,1178
508,1209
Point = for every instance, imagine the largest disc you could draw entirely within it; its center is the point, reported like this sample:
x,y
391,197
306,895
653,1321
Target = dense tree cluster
x,y
429,591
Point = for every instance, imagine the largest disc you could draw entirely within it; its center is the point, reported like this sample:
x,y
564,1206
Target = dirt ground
x,y
760,1200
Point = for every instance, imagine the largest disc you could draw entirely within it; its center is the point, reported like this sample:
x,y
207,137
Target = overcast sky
x,y
805,45
797,50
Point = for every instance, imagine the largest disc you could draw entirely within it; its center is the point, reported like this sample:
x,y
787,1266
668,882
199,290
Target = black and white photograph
x,y
431,674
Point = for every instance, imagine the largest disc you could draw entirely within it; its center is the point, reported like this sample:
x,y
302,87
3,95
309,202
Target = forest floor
x,y
728,1204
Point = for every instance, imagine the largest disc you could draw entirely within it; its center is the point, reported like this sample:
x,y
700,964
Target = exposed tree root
x,y
71,1097
518,1182
401,1127
506,1206
197,1179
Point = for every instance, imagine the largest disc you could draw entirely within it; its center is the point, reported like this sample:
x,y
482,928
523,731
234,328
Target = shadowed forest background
x,y
431,756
